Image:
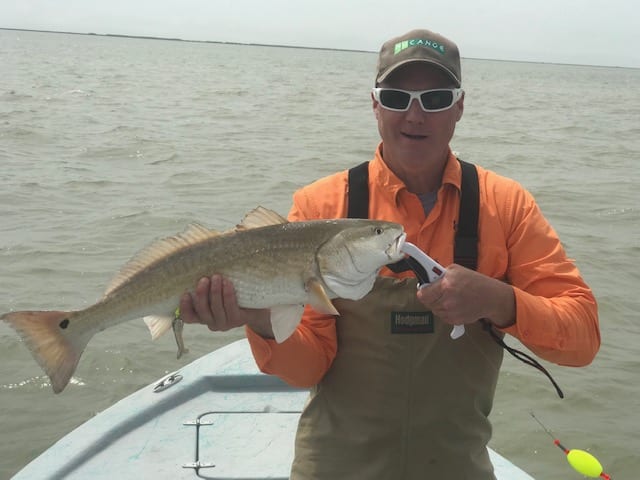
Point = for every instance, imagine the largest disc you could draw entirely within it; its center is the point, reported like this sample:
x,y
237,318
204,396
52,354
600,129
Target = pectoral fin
x,y
284,320
318,298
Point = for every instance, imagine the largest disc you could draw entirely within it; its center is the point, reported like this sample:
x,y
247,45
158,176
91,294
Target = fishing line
x,y
581,461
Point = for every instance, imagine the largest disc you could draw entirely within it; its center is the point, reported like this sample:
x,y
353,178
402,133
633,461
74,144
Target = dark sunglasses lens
x,y
437,99
394,99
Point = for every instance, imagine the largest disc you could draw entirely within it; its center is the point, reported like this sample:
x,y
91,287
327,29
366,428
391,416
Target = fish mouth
x,y
394,252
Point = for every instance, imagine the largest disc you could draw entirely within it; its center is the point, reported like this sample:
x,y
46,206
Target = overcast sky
x,y
564,31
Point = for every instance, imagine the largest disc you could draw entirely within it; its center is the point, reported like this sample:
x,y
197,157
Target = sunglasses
x,y
430,100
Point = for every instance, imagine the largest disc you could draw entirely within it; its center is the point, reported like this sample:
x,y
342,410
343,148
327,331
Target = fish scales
x,y
250,263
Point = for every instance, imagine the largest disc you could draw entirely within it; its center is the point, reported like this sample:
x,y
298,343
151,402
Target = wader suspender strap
x,y
466,246
358,191
466,241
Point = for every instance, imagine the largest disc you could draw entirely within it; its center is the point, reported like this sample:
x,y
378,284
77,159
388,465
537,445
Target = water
x,y
108,143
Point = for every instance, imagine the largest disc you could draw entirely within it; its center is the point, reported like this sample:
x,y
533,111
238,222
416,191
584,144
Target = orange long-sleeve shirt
x,y
556,313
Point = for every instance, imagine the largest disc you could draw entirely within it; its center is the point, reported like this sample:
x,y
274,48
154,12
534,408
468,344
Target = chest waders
x,y
402,400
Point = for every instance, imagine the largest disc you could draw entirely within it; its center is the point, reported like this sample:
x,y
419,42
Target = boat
x,y
216,418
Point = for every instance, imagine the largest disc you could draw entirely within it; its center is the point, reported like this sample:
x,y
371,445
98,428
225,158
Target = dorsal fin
x,y
193,234
260,217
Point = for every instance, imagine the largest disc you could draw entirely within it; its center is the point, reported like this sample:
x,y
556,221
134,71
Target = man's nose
x,y
415,109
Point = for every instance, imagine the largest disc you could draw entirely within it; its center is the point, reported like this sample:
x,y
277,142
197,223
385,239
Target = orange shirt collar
x,y
381,174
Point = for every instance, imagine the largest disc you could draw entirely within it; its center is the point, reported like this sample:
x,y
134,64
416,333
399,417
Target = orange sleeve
x,y
304,358
556,312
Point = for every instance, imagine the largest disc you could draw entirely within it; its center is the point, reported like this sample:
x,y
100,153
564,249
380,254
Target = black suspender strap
x,y
466,241
358,191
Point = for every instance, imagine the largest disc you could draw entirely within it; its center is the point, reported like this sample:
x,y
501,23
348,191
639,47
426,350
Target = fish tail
x,y
53,341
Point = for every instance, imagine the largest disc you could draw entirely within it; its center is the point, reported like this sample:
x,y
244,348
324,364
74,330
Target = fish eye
x,y
378,230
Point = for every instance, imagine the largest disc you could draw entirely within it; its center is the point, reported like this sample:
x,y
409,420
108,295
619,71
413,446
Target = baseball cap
x,y
419,46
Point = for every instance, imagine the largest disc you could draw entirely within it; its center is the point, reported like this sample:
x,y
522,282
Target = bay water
x,y
107,143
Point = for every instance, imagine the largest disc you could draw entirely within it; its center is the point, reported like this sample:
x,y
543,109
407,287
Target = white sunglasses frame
x,y
415,94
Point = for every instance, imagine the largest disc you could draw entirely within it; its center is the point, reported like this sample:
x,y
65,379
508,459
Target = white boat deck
x,y
247,426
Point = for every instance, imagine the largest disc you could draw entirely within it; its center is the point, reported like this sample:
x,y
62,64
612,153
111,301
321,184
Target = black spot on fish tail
x,y
64,323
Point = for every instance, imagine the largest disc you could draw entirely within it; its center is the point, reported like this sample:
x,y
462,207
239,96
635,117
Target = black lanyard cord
x,y
523,357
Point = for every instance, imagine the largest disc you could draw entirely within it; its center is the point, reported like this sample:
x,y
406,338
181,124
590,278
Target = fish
x,y
273,263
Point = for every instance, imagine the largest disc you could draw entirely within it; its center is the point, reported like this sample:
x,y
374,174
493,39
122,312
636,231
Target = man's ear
x,y
460,107
374,106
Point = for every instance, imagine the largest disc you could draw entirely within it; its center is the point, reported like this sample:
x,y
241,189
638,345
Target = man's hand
x,y
465,296
215,305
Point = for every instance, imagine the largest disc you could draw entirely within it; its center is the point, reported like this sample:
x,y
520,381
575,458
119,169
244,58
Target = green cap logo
x,y
418,42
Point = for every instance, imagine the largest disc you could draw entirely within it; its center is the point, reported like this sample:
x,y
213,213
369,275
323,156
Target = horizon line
x,y
251,44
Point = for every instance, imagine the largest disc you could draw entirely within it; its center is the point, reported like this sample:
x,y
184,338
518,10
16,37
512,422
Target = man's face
x,y
414,138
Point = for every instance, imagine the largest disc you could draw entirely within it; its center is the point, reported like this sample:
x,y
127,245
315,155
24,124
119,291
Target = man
x,y
391,402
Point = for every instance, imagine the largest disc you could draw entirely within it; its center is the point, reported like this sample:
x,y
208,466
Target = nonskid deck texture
x,y
217,418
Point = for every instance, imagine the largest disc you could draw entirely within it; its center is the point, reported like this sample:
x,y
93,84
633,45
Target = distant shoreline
x,y
176,39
